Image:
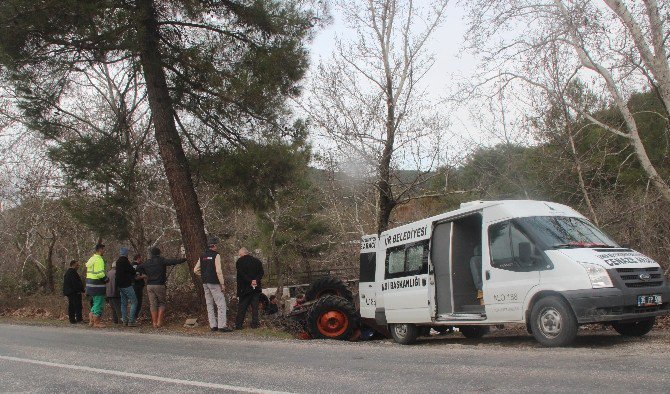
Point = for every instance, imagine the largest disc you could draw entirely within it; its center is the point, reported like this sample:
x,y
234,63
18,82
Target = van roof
x,y
509,208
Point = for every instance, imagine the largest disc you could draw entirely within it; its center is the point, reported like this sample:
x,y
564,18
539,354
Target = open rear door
x,y
367,287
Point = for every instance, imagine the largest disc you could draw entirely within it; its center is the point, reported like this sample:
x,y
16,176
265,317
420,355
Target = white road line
x,y
141,376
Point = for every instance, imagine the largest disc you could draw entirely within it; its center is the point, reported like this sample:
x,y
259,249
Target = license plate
x,y
648,300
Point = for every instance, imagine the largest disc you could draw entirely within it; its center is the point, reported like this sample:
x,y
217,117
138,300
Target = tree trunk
x,y
386,203
50,286
578,163
187,207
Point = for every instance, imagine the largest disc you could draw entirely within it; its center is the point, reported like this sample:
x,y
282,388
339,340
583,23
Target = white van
x,y
496,262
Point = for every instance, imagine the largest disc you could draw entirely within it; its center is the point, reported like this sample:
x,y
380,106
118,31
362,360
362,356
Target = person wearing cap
x,y
96,287
210,270
155,270
125,274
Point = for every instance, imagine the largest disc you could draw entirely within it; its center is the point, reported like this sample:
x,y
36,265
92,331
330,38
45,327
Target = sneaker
x,y
214,329
225,329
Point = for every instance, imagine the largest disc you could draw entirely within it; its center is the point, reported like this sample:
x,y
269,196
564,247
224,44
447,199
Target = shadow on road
x,y
524,340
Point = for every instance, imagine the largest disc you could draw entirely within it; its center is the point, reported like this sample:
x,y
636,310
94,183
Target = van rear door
x,y
407,285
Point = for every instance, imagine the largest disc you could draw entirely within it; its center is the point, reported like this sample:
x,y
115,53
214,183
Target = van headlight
x,y
598,275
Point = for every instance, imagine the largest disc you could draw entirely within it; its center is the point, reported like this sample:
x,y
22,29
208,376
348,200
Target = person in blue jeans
x,y
125,274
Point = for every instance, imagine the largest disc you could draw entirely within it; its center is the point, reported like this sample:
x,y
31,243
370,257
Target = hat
x,y
99,246
212,241
123,251
155,251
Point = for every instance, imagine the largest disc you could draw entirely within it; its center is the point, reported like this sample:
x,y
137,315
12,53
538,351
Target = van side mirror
x,y
524,252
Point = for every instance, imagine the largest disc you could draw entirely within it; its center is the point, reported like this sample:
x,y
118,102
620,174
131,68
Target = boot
x,y
161,317
97,322
90,319
154,318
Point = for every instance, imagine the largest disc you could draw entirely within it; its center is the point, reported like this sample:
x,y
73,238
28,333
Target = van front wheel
x,y
552,321
404,333
636,328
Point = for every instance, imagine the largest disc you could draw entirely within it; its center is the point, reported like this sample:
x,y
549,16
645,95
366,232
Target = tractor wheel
x,y
328,285
332,317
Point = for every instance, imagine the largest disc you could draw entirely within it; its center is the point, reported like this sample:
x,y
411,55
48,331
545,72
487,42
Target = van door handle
x,y
488,274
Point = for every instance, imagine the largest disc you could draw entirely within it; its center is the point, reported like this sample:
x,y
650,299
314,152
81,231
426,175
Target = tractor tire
x,y
474,332
328,285
332,317
635,328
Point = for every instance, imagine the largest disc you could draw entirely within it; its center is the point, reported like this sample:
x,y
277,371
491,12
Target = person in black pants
x,y
73,287
138,285
249,275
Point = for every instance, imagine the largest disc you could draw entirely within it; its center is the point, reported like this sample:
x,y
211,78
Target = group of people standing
x,y
249,275
123,286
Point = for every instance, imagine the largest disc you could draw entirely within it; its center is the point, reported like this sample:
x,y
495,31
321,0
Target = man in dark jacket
x,y
138,285
125,274
249,275
73,287
156,271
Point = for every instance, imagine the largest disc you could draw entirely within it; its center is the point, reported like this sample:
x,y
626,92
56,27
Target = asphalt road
x,y
59,359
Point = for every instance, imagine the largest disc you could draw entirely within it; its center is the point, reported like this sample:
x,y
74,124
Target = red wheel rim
x,y
333,323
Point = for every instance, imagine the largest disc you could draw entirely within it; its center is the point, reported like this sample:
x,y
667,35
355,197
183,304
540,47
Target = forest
x,y
160,122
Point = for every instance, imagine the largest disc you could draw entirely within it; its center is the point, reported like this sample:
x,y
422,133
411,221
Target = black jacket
x,y
248,269
72,283
125,273
156,269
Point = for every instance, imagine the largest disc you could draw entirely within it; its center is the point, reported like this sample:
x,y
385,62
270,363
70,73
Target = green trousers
x,y
98,305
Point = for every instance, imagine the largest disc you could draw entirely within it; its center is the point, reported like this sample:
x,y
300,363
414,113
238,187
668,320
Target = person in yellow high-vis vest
x,y
96,280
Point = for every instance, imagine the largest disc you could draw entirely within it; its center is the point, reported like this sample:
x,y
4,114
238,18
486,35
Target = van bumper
x,y
613,304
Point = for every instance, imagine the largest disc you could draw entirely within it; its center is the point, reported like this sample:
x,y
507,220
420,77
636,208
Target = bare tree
x,y
618,47
368,98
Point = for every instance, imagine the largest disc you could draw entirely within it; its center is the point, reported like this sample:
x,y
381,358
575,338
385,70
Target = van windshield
x,y
565,232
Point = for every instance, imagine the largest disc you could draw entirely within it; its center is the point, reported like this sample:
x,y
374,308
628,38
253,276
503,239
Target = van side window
x,y
415,257
511,249
407,260
395,261
499,246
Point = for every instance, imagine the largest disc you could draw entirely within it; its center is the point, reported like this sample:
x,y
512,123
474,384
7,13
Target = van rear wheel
x,y
636,328
404,333
552,321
